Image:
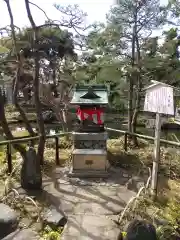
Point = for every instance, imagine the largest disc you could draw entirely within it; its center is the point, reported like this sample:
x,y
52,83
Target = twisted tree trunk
x,y
6,130
15,100
19,68
38,107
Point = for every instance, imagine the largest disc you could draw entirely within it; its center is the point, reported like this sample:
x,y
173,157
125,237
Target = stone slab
x,y
89,152
90,144
89,160
90,136
62,200
54,218
90,204
84,173
90,227
98,208
8,220
25,234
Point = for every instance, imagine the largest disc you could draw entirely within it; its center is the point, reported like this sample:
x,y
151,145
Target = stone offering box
x,y
89,157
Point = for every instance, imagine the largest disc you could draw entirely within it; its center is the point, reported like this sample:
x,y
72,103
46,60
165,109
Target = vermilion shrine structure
x,y
89,157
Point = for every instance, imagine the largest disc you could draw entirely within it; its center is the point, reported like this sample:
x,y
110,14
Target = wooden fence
x,y
126,134
8,143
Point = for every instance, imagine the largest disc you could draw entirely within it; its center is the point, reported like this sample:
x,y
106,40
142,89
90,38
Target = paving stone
x,y
107,192
86,195
125,195
54,217
66,188
8,220
83,208
107,208
73,199
115,207
87,203
56,198
87,227
25,234
67,207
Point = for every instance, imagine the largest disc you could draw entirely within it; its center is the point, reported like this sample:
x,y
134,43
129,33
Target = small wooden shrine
x,y
89,157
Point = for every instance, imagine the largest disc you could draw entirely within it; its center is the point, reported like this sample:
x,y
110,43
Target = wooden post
x,y
9,158
156,156
125,141
57,150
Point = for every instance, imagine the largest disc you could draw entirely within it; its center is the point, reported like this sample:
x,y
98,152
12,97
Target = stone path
x,y
89,204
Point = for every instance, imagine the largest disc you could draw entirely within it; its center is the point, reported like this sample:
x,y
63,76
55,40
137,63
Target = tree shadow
x,y
94,196
90,235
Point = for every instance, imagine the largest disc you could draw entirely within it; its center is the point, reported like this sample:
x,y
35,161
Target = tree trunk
x,y
65,121
137,106
131,84
54,81
15,100
134,46
138,92
16,80
38,106
130,103
6,130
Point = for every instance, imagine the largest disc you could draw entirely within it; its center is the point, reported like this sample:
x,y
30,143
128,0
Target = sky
x,y
96,10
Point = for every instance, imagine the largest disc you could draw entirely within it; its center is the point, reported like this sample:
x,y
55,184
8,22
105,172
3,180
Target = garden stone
x,y
8,220
31,176
134,183
54,218
25,234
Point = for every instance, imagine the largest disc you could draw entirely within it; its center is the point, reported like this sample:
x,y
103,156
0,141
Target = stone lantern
x,y
89,157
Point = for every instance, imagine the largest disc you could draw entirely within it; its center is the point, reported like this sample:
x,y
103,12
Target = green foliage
x,y
3,50
10,108
165,232
23,133
65,143
50,234
2,157
171,214
103,70
19,134
52,42
164,65
111,48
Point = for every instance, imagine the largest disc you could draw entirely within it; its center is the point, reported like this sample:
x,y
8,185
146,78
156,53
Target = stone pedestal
x,y
89,158
90,140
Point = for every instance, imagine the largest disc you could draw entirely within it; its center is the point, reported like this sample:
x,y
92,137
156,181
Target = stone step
x,y
88,173
89,204
89,227
8,220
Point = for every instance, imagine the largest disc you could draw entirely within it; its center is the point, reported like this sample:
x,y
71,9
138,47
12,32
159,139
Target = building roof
x,y
156,83
90,95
